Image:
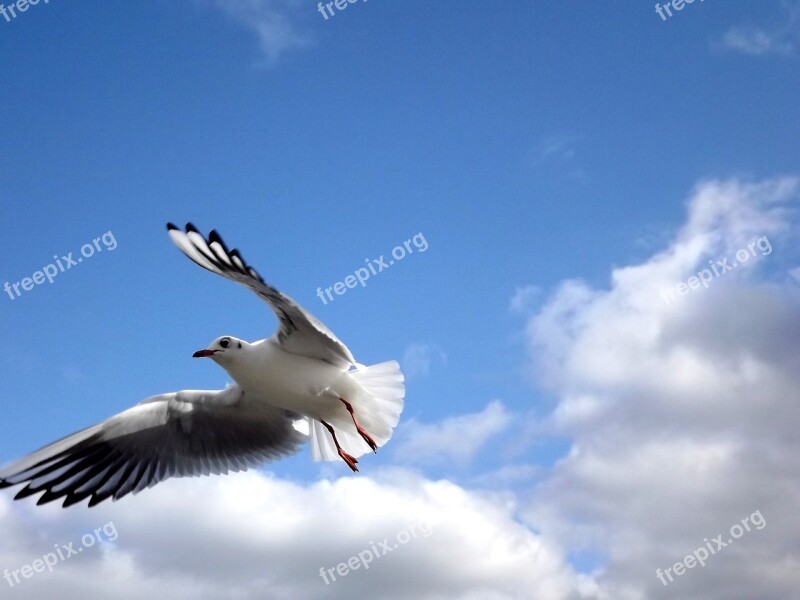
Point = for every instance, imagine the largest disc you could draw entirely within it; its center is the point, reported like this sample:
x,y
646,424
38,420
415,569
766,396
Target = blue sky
x,y
531,143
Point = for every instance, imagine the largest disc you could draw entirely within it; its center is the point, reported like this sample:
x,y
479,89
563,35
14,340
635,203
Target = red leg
x,y
350,460
367,437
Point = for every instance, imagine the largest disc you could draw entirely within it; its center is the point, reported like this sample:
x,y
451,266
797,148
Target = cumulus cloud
x,y
683,415
454,440
254,536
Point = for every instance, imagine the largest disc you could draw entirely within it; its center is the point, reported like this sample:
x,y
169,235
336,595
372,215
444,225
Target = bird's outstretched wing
x,y
299,331
182,434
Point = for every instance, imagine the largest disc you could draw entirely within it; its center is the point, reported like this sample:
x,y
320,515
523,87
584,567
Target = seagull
x,y
300,379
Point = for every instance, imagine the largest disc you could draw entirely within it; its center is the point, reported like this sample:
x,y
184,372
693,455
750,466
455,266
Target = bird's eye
x,y
225,343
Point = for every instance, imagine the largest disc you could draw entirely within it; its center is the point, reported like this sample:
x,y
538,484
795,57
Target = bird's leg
x,y
350,460
367,437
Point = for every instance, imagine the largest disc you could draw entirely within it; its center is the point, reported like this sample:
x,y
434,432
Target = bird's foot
x,y
365,436
349,459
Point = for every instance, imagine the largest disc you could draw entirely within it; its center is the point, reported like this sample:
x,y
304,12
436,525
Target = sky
x,y
594,392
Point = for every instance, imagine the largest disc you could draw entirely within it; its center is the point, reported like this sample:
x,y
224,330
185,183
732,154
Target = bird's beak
x,y
203,353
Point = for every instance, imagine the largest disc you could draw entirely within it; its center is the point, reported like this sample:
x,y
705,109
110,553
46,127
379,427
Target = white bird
x,y
303,372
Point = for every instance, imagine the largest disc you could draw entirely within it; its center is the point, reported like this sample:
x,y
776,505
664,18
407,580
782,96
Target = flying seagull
x,y
303,372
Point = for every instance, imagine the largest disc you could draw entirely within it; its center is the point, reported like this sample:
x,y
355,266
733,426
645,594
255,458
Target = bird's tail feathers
x,y
377,403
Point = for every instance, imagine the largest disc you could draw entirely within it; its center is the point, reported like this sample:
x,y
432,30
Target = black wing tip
x,y
214,236
97,499
189,227
72,500
49,496
26,492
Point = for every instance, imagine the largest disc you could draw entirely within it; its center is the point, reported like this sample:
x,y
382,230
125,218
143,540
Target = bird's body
x,y
303,372
260,373
316,390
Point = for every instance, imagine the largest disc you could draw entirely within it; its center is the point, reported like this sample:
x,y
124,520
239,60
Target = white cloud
x,y
524,298
757,41
684,416
251,536
455,439
418,359
273,21
509,475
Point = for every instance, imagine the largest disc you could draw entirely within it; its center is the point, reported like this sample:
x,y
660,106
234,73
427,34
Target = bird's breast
x,y
287,380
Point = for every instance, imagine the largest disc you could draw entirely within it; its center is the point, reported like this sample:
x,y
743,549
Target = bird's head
x,y
222,350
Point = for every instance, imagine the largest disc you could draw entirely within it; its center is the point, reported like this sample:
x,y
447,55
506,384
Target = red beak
x,y
203,353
